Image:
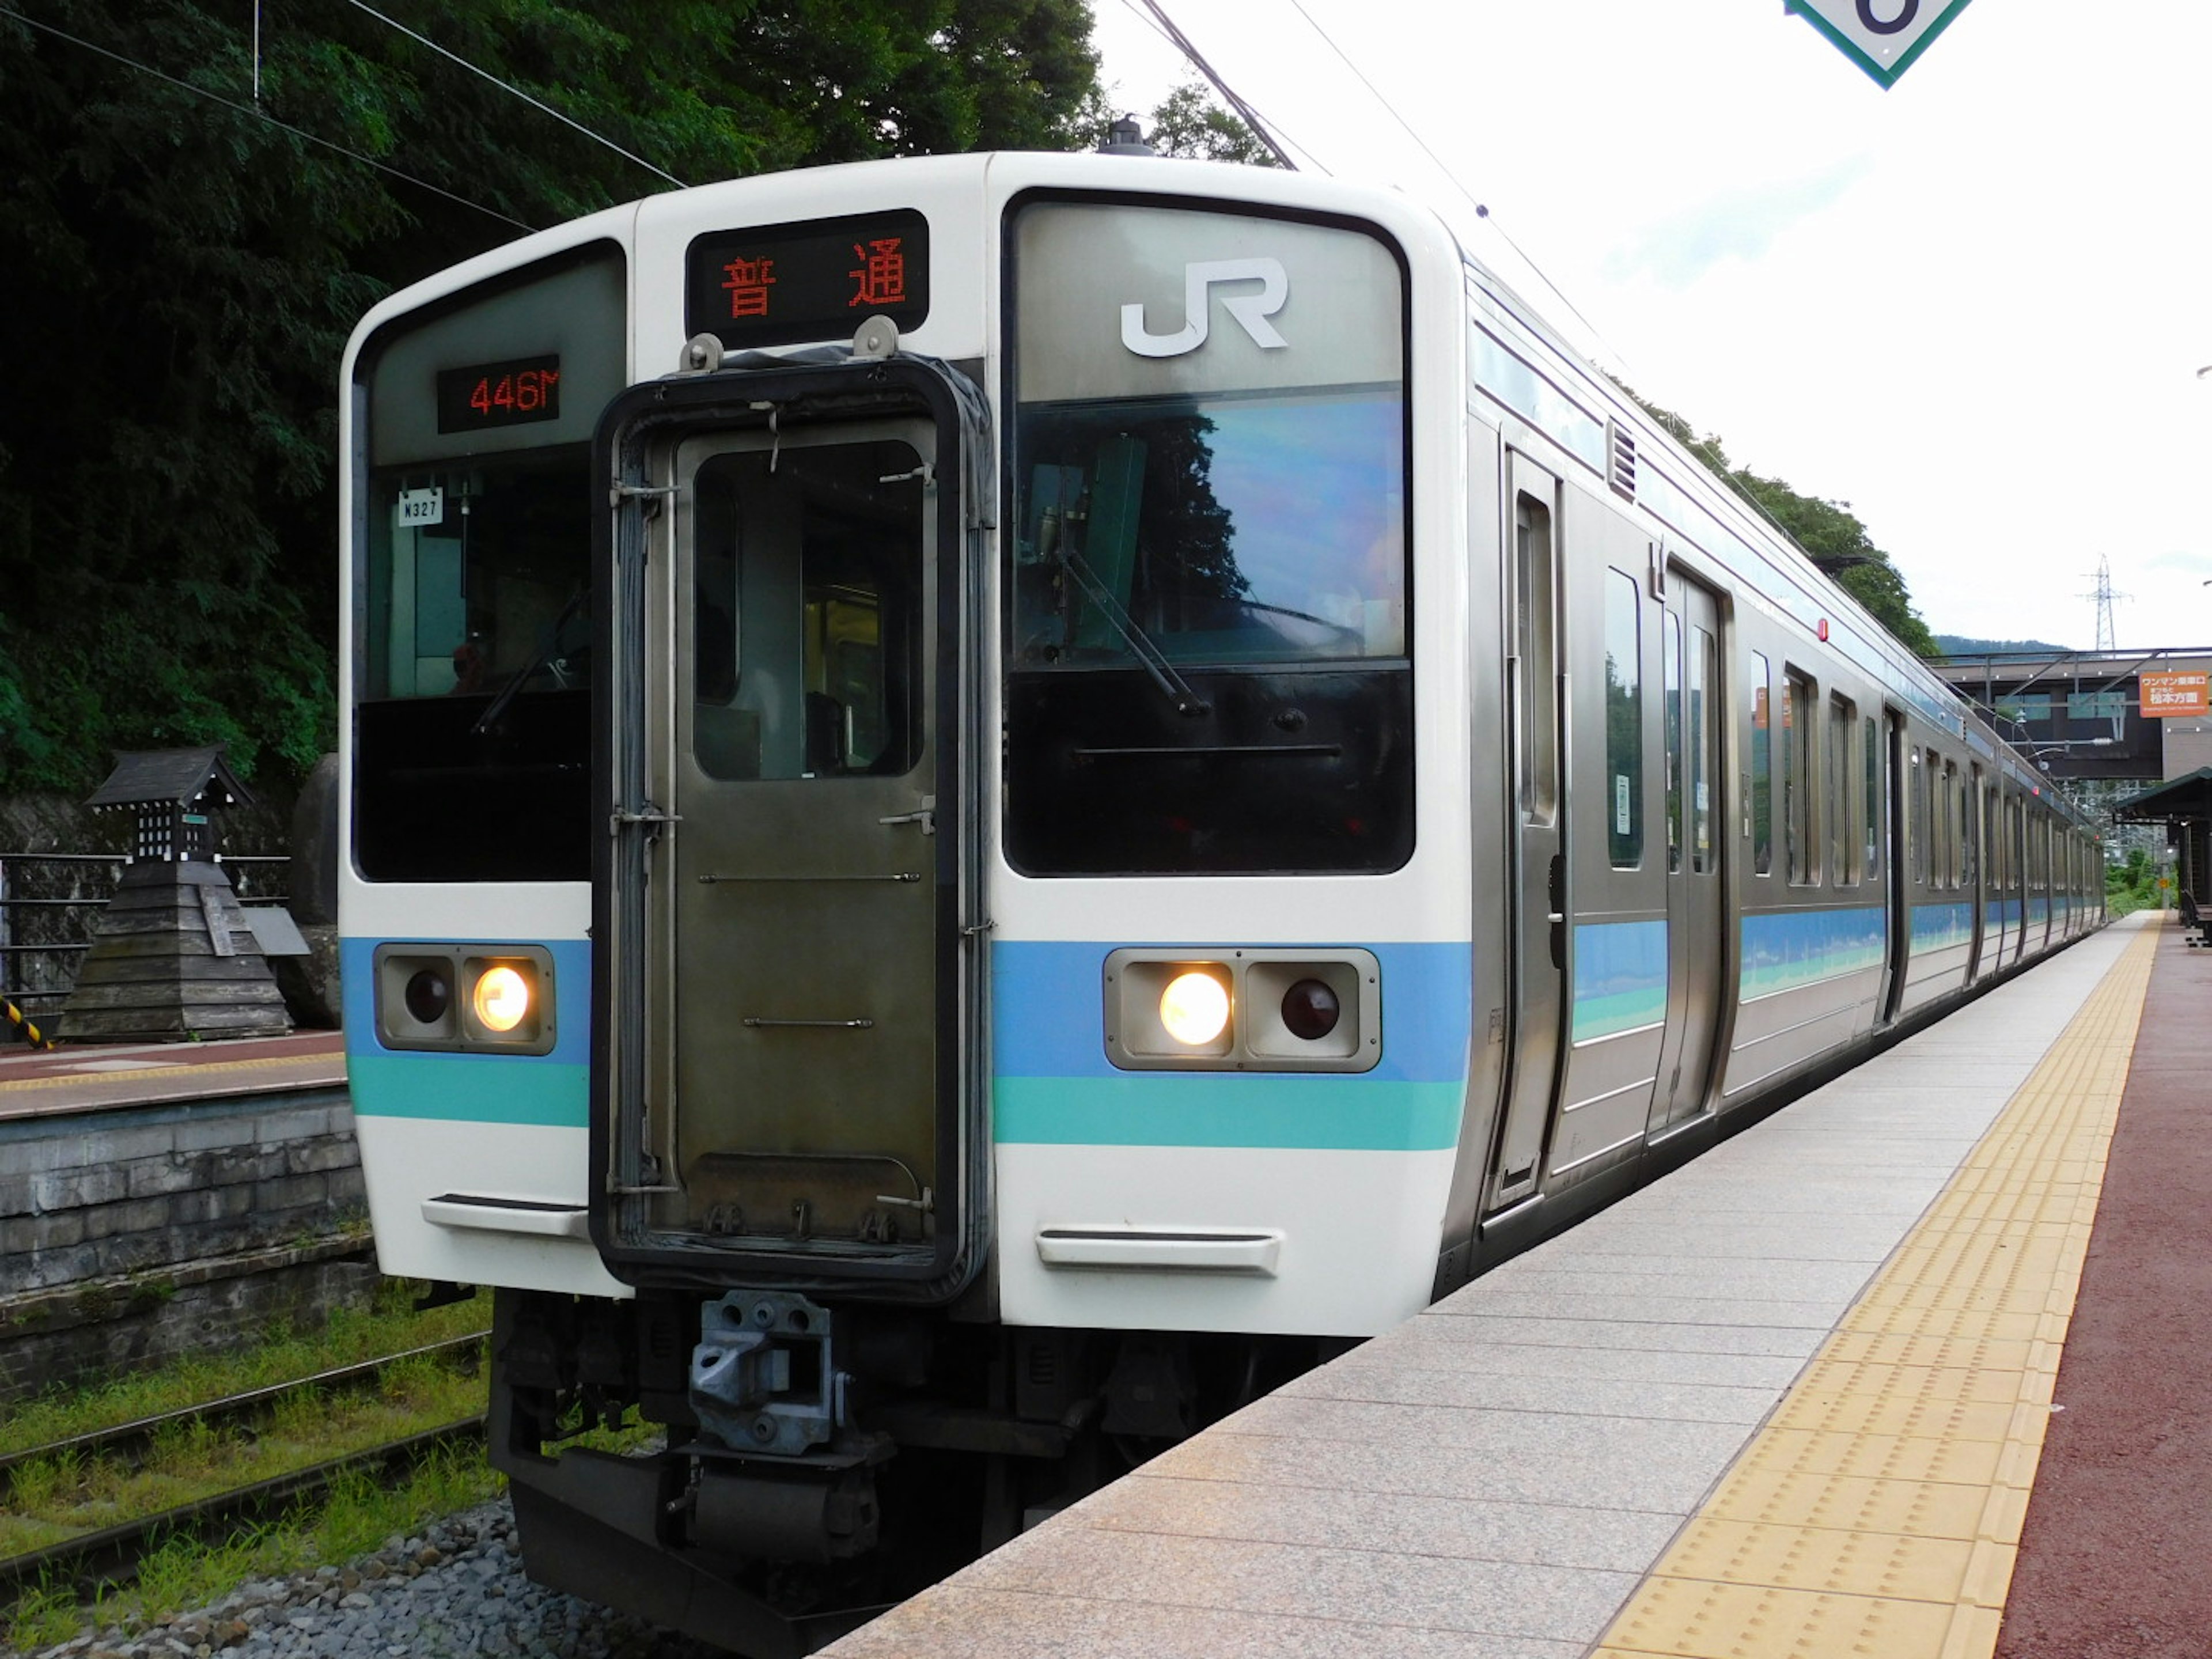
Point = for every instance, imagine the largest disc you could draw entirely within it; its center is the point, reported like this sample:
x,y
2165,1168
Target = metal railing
x,y
47,900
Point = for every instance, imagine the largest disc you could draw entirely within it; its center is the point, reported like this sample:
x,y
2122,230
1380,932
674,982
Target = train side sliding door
x,y
1693,708
1538,869
1617,925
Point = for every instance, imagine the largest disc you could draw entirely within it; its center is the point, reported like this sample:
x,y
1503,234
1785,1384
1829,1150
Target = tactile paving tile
x,y
1877,1515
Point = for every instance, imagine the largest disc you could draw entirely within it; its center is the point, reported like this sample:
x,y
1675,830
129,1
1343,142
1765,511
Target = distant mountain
x,y
1958,644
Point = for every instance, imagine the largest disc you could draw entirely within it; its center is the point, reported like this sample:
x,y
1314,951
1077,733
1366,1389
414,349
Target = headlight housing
x,y
1244,1009
495,999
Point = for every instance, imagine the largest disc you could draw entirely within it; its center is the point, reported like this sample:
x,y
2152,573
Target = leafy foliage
x,y
184,272
2138,884
1189,123
1830,534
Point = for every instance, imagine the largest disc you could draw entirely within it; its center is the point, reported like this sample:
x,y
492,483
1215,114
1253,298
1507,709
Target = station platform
x,y
96,1077
1912,1367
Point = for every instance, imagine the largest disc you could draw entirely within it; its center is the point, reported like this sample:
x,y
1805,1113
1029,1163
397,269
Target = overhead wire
x,y
1481,209
535,103
1149,12
264,116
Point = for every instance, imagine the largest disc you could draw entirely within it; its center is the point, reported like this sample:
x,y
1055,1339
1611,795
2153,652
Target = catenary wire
x,y
263,115
1481,210
1153,18
535,103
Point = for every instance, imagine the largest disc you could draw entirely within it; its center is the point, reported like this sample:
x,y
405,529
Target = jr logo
x,y
1251,310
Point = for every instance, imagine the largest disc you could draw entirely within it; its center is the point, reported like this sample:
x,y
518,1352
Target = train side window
x,y
1704,663
1624,719
1954,809
1534,641
1939,822
1800,770
1759,800
1671,651
1955,826
1917,829
1871,804
1843,733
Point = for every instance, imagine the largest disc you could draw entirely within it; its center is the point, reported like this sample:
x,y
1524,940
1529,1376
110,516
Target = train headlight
x,y
1249,1008
1310,1010
495,999
1194,1008
501,998
428,995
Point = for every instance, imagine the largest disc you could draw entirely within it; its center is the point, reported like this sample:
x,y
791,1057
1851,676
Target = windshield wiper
x,y
1176,689
509,691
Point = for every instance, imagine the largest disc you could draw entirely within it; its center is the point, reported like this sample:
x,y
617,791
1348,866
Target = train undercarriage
x,y
765,1474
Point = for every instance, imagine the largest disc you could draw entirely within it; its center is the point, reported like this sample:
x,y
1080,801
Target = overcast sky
x,y
1973,306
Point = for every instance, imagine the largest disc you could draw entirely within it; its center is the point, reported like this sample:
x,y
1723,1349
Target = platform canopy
x,y
2186,798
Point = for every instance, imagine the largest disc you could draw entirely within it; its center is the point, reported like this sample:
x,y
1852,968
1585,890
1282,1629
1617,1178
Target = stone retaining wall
x,y
142,1233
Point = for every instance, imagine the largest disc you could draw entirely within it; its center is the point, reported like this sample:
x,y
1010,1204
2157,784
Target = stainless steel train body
x,y
994,799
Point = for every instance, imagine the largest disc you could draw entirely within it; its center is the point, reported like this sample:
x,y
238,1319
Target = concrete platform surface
x,y
1528,1469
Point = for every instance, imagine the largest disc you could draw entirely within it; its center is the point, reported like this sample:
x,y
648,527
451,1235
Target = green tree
x,y
1831,535
1189,123
186,255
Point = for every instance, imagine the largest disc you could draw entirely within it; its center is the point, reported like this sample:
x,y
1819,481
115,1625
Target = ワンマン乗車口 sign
x,y
2183,692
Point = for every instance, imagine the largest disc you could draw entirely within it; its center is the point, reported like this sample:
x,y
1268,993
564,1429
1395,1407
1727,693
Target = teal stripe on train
x,y
1620,977
1785,948
1941,926
1054,1086
528,1089
1273,1109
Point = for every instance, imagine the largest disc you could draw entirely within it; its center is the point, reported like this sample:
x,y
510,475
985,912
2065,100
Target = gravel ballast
x,y
456,1589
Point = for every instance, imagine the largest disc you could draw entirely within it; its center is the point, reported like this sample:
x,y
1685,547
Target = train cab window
x,y
1624,720
1843,833
1759,804
1704,675
1871,804
1671,652
1800,768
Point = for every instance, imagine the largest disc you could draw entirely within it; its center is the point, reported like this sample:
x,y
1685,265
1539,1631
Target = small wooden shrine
x,y
174,955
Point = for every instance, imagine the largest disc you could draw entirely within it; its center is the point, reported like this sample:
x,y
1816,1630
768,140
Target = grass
x,y
353,1517
51,1499
189,1461
281,1356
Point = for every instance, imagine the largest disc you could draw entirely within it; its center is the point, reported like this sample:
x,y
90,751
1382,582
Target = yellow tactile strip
x,y
83,1079
1877,1513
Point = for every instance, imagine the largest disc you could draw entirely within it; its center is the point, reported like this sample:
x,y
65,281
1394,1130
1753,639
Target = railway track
x,y
110,1554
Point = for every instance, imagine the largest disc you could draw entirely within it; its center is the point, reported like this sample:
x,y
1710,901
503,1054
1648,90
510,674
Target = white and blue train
x,y
994,800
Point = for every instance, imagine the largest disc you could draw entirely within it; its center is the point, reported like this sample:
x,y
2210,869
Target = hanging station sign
x,y
1882,37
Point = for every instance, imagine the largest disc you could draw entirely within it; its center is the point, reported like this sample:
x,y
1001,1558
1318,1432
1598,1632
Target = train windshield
x,y
1238,529
1208,609
473,531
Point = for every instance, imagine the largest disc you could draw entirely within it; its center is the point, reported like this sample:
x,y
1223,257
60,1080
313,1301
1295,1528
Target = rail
x,y
109,1555
47,900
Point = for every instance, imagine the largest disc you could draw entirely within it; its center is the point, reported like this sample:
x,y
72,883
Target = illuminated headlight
x,y
501,998
1256,1009
495,999
1194,1009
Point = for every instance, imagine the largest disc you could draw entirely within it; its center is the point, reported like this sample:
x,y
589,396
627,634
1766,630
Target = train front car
x,y
911,883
